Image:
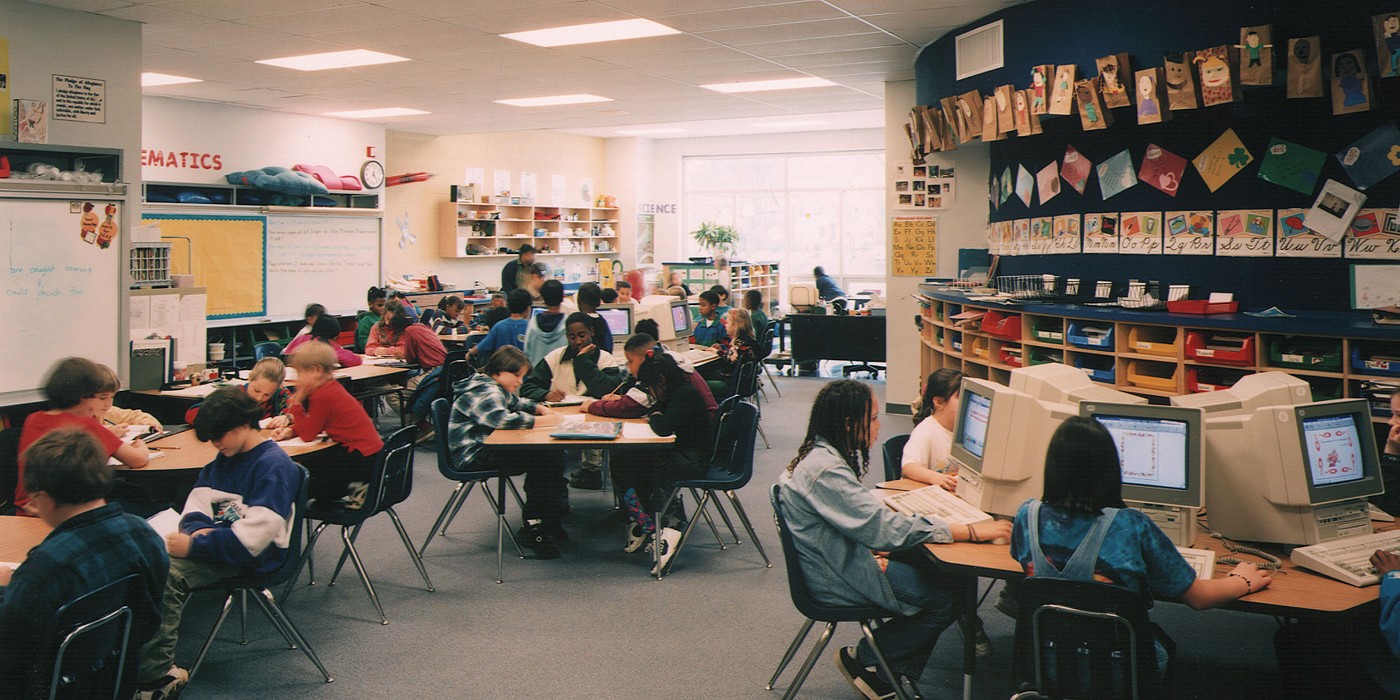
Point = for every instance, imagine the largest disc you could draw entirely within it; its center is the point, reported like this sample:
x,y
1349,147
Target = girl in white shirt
x,y
926,454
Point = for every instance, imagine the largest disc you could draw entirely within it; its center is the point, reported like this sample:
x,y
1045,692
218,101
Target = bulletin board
x,y
914,246
226,254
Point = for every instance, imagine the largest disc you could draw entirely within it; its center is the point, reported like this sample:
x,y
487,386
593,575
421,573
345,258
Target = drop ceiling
x,y
460,65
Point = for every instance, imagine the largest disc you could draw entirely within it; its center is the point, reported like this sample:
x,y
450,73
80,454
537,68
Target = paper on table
x,y
370,360
637,431
194,392
10,565
192,308
154,454
571,419
165,311
140,316
298,442
165,523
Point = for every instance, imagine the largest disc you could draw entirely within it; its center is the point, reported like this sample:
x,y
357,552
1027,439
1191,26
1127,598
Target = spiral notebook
x,y
588,431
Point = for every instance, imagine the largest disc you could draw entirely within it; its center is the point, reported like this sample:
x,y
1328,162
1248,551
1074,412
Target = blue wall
x,y
1061,31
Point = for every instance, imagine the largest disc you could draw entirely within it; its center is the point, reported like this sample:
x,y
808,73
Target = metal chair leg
x,y
412,554
519,502
791,652
305,561
744,519
208,641
491,497
705,513
354,535
766,444
810,661
769,374
898,684
364,577
276,623
270,607
442,517
724,515
458,508
243,617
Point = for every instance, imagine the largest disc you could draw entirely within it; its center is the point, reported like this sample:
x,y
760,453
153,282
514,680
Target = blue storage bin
x,y
957,341
1367,360
1089,335
1100,369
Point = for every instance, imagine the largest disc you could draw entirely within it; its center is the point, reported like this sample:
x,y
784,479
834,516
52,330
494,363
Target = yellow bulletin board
x,y
914,246
226,254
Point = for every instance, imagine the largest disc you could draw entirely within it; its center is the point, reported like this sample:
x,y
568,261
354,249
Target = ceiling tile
x,y
204,36
834,72
648,45
394,36
339,19
778,50
792,30
866,7
713,54
921,19
654,9
729,71
222,9
85,5
903,53
273,47
764,15
513,20
157,17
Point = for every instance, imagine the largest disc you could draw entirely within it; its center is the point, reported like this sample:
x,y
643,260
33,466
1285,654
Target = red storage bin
x,y
1011,356
1220,348
1000,325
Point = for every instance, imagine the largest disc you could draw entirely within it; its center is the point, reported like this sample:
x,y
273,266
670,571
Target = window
x,y
801,210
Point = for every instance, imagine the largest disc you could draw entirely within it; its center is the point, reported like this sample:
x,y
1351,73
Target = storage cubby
x,y
1203,379
1041,356
1094,336
1163,341
1161,377
1304,353
737,277
1216,348
1100,368
467,229
1002,325
1046,329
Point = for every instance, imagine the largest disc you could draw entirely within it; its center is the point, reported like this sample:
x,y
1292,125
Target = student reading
x,y
855,550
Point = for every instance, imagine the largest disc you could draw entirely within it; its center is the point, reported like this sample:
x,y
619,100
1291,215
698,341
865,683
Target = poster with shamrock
x,y
1222,160
1295,240
1100,233
1373,235
1245,233
1140,233
1190,232
1067,238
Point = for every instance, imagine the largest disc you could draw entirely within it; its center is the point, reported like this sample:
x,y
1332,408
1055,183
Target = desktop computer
x,y
619,320
1251,392
1160,452
1060,383
672,318
999,443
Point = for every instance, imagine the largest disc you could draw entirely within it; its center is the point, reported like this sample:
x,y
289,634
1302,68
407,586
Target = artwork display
x,y
1351,89
970,115
1113,80
1047,181
1190,232
1100,233
1334,209
1289,165
1374,235
1075,170
1092,113
1373,157
990,132
1256,57
1025,184
1295,240
1039,91
1062,90
1116,174
1067,238
1180,72
1387,30
1140,233
1244,233
1162,169
1027,122
1152,106
1222,160
1006,109
1215,67
1304,67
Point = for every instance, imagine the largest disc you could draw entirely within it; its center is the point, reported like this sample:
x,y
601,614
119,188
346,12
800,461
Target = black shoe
x,y
591,479
865,680
537,539
554,531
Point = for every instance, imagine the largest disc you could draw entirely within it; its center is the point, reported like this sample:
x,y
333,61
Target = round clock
x,y
372,174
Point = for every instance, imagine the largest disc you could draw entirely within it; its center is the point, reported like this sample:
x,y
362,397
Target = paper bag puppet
x,y
1181,80
989,120
1351,90
1387,29
1152,105
1113,74
1027,123
948,107
1062,91
1006,109
1256,57
1092,114
1039,92
1304,68
970,111
1217,85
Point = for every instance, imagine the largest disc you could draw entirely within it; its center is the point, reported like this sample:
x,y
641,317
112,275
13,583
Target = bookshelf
x,y
467,230
737,277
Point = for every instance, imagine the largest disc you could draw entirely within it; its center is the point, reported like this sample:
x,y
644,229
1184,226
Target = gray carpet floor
x,y
592,624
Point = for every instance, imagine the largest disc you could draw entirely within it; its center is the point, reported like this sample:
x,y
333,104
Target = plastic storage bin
x,y
1318,354
1089,335
979,347
1099,369
1011,355
1048,330
1152,375
1376,359
1378,395
1202,307
1324,388
1203,379
1154,340
1041,356
1220,348
1001,325
957,341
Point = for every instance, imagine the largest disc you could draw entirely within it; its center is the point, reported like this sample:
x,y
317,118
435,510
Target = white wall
x,y
964,225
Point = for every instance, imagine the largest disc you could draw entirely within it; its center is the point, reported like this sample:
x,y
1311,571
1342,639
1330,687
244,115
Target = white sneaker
x,y
670,537
635,539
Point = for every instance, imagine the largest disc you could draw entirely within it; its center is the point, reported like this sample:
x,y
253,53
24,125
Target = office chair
x,y
268,349
260,585
816,611
893,452
85,650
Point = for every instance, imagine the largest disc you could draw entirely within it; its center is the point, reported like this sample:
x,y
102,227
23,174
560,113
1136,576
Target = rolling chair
x,y
893,452
86,649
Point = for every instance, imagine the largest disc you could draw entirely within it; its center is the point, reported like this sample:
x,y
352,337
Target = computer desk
x,y
18,535
827,337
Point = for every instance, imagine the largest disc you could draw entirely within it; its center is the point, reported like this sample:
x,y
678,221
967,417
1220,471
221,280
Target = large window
x,y
801,210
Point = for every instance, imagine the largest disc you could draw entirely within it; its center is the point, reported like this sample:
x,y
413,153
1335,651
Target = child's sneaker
x,y
167,688
355,498
865,680
635,538
670,537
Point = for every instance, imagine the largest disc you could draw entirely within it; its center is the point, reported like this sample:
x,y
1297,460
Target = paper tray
x,y
1201,307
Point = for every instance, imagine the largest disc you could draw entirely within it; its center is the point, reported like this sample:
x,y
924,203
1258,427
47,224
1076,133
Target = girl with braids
x,y
926,454
855,550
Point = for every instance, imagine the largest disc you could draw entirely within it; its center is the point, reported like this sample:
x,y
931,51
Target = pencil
x,y
619,386
162,448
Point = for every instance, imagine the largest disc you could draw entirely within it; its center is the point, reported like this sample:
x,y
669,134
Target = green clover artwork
x,y
1239,158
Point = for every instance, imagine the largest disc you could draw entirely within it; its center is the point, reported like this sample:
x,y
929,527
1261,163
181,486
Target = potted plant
x,y
722,241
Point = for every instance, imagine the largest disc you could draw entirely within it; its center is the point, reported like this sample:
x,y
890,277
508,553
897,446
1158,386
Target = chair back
x,y
764,348
9,468
800,295
392,480
797,580
292,563
734,445
268,349
726,406
454,370
1084,639
86,651
893,451
442,419
744,382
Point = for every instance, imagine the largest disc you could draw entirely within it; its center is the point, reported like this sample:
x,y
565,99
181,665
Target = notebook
x,y
588,431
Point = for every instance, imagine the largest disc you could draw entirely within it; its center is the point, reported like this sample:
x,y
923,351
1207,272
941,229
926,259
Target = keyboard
x,y
1202,560
939,503
1347,559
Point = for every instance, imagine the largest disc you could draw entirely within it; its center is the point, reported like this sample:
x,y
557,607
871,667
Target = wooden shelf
x,y
490,227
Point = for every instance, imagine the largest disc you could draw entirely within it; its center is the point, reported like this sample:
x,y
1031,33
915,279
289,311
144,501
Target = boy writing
x,y
578,369
634,402
321,404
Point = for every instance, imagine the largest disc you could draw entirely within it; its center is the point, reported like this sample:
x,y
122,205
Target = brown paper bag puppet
x,y
948,108
1387,29
1217,87
1062,91
1180,79
1304,67
1006,109
970,114
989,121
1351,90
1113,71
1039,91
1256,58
1027,123
1092,114
1152,105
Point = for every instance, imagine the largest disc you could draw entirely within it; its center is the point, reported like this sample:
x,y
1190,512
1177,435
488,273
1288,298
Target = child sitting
x,y
119,419
320,404
578,369
398,335
93,543
79,390
624,293
609,296
925,456
723,307
366,320
510,331
495,312
545,331
447,317
753,303
740,349
588,297
313,312
709,328
488,402
632,401
326,330
237,519
265,386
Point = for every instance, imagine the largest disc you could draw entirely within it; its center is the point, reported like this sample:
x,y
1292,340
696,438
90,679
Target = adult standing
x,y
827,288
513,274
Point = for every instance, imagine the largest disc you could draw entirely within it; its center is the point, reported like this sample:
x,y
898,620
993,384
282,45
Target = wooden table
x,y
185,451
18,535
461,338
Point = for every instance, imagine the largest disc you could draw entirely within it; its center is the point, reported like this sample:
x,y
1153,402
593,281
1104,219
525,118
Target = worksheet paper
x,y
165,312
637,431
140,314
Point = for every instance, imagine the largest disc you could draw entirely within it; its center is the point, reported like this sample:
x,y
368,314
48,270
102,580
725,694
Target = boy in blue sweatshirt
x,y
237,519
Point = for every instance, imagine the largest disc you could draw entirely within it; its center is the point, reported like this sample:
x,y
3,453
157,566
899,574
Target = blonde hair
x,y
269,368
676,291
314,355
740,317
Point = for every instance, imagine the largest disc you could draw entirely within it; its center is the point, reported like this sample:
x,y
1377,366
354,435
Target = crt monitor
x,y
672,317
1060,383
1160,452
1251,392
618,317
1296,474
999,441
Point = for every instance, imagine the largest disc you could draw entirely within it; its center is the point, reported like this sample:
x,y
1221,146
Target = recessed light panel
x,y
553,100
377,113
154,79
593,33
766,85
334,59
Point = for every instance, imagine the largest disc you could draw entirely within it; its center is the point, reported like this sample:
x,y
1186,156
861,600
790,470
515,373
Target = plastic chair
x,y
765,348
389,485
816,611
268,349
455,367
893,451
1085,639
744,384
9,468
86,649
261,586
467,478
731,468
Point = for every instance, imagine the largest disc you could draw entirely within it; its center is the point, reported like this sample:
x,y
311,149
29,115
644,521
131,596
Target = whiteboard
x,y
62,293
326,260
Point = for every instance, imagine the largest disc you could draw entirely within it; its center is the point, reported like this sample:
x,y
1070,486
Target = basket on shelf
x,y
148,264
1028,287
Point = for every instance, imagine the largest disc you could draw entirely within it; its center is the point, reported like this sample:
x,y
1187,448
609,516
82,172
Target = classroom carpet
x,y
593,624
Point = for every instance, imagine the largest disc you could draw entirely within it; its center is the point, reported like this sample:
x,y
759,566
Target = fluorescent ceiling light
x,y
376,113
764,85
593,33
794,124
653,132
334,59
554,100
154,79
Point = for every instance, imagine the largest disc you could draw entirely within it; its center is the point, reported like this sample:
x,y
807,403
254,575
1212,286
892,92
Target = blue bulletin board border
x,y
259,312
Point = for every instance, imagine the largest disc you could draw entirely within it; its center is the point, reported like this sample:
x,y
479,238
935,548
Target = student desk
x,y
18,535
462,340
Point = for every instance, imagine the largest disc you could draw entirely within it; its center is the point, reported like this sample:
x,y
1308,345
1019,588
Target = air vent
x,y
979,50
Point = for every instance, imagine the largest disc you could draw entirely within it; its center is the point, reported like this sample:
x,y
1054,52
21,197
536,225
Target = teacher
x,y
513,274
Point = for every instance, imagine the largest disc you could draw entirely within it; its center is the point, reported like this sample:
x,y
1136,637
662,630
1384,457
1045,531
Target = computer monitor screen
x,y
680,317
536,311
999,442
1333,445
1160,450
619,320
976,408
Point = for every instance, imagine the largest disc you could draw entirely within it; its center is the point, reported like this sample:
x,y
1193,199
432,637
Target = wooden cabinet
x,y
737,277
482,230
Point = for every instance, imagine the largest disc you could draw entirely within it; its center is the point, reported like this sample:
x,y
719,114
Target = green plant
x,y
721,240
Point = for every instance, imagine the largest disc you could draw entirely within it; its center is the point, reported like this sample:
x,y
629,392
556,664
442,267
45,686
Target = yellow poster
x,y
914,246
1222,160
6,118
227,256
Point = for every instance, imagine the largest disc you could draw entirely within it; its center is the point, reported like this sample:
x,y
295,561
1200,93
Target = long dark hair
x,y
1081,468
941,384
660,376
841,417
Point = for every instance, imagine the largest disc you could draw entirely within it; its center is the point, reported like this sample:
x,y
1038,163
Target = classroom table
x,y
461,339
184,451
18,535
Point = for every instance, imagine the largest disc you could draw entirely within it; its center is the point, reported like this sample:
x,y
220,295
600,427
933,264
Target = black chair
x,y
467,477
765,348
86,650
816,611
893,452
268,349
260,585
9,469
1085,639
744,384
454,369
389,485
